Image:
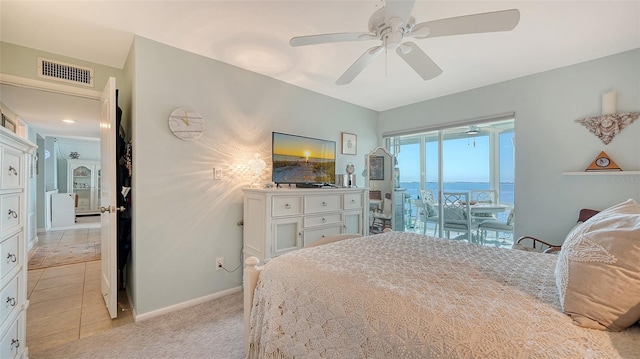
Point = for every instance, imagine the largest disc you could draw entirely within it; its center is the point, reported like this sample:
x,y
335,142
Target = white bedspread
x,y
403,295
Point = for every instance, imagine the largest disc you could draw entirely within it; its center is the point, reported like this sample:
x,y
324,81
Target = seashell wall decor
x,y
606,127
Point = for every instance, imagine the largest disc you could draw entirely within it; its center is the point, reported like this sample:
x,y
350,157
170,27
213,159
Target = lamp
x,y
256,165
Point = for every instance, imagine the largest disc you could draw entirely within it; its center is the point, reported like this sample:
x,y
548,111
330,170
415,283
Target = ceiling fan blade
x,y
357,67
504,20
398,9
328,38
418,60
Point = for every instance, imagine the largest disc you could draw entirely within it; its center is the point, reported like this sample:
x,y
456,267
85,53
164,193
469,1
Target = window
x,y
477,156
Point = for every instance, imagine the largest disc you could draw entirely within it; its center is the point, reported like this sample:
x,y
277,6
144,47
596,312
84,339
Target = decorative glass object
x,y
256,166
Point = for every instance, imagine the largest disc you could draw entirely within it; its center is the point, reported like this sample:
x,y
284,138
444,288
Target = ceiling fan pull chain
x,y
386,58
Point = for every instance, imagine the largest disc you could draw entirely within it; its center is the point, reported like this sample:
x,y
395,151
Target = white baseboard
x,y
32,242
183,305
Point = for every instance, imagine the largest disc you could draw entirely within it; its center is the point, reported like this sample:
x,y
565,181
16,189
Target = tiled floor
x,y
65,302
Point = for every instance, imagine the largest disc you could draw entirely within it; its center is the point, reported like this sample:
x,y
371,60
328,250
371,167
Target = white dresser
x,y
277,221
14,152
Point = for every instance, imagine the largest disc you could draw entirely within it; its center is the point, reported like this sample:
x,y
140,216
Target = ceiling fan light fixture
x,y
393,22
404,49
473,130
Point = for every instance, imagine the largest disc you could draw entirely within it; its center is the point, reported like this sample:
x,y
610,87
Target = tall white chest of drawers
x,y
277,221
14,168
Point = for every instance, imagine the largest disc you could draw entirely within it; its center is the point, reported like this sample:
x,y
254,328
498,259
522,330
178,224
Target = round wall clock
x,y
186,124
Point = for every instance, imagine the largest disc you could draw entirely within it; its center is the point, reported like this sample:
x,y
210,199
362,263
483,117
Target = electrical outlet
x,y
217,173
219,263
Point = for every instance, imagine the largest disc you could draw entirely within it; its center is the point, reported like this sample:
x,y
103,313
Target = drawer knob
x,y
353,201
13,214
15,343
323,236
287,206
324,220
12,257
324,203
12,171
11,301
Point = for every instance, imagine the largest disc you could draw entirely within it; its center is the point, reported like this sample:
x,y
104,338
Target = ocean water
x,y
505,190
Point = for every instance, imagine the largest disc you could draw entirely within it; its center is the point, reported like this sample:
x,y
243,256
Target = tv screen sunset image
x,y
298,159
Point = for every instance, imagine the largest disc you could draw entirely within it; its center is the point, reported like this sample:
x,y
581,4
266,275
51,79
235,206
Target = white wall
x,y
183,219
548,140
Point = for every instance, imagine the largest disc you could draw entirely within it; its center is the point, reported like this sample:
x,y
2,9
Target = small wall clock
x,y
603,162
186,124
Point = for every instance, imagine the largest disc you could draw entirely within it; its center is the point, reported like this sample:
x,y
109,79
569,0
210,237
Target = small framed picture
x,y
376,168
349,144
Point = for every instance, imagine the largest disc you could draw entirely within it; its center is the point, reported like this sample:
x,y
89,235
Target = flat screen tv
x,y
302,160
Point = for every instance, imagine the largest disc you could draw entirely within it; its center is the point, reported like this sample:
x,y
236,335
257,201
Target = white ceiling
x,y
254,35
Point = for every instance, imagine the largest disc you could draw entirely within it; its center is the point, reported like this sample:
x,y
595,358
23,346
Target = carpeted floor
x,y
208,330
45,257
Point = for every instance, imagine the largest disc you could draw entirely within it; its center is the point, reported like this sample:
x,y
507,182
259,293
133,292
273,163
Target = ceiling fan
x,y
393,22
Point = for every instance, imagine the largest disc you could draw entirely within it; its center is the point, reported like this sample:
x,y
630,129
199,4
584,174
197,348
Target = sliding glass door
x,y
469,159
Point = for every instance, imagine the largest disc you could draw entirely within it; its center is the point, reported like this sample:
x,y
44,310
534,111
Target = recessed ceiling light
x,y
68,121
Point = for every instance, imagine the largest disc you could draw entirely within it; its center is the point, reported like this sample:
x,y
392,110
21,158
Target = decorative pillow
x,y
598,269
454,214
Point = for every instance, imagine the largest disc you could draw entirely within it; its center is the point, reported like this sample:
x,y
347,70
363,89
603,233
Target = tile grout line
x,y
84,282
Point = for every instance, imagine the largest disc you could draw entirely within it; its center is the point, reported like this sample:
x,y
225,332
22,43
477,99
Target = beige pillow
x,y
598,269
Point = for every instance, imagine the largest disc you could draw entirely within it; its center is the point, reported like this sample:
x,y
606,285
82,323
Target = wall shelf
x,y
602,173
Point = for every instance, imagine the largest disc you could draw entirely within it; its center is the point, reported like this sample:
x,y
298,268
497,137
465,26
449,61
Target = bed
x,y
406,295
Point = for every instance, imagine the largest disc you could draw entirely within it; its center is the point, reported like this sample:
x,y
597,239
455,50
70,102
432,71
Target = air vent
x,y
60,71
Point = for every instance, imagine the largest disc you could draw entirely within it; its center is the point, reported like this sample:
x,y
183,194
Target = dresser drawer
x,y
322,203
9,299
313,235
9,255
11,169
12,342
329,218
352,201
10,212
286,206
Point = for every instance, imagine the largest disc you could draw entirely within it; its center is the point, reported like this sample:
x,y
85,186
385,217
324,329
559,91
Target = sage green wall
x,y
128,106
183,219
548,141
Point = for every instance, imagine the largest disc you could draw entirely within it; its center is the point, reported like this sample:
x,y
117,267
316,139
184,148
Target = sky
x,y
292,145
465,160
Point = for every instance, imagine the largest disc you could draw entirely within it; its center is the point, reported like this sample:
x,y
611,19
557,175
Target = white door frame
x,y
55,88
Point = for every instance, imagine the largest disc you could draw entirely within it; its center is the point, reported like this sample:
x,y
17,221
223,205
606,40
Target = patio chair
x,y
484,196
456,212
429,210
497,226
489,196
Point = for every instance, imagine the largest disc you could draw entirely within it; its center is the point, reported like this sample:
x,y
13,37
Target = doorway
x,y
63,297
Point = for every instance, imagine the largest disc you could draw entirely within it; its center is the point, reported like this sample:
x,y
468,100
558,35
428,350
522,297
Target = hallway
x,y
66,303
